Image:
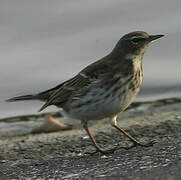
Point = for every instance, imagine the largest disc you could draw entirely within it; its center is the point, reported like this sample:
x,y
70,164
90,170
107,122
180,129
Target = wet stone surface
x,y
159,162
66,154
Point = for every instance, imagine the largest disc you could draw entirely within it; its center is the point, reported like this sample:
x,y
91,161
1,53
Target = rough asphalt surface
x,y
67,154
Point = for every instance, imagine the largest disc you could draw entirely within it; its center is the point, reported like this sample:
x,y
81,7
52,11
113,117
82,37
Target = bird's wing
x,y
85,77
46,95
66,89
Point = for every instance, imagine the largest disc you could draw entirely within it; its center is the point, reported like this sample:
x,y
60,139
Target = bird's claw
x,y
136,143
103,152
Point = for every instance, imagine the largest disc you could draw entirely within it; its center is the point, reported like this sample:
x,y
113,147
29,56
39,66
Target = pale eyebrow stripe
x,y
134,37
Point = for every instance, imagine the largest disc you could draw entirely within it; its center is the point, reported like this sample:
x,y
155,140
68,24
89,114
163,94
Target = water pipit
x,y
104,88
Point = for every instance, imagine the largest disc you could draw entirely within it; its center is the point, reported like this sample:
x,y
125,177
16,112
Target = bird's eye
x,y
136,40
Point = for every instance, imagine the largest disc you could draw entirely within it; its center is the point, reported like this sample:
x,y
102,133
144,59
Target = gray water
x,y
43,43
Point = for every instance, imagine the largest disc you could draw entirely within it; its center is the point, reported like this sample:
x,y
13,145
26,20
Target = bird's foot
x,y
103,152
136,143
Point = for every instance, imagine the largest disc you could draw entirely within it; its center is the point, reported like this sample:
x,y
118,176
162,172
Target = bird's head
x,y
135,43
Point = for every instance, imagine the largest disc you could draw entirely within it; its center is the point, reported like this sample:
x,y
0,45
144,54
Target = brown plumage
x,y
104,88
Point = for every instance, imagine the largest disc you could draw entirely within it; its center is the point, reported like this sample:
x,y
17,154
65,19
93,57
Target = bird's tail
x,y
23,98
42,96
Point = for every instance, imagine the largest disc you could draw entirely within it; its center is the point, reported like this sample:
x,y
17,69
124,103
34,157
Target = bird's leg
x,y
135,142
98,149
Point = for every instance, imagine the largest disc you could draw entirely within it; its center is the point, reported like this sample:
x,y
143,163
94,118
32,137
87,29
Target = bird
x,y
104,88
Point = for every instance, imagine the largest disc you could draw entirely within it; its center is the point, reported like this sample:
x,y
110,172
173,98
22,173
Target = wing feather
x,y
67,89
88,75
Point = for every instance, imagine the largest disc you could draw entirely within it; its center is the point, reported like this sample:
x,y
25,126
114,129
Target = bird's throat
x,y
137,63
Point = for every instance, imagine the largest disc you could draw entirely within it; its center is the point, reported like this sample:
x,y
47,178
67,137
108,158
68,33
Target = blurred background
x,y
43,43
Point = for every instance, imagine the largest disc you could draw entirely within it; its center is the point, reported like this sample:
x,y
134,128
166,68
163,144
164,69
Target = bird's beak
x,y
154,37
